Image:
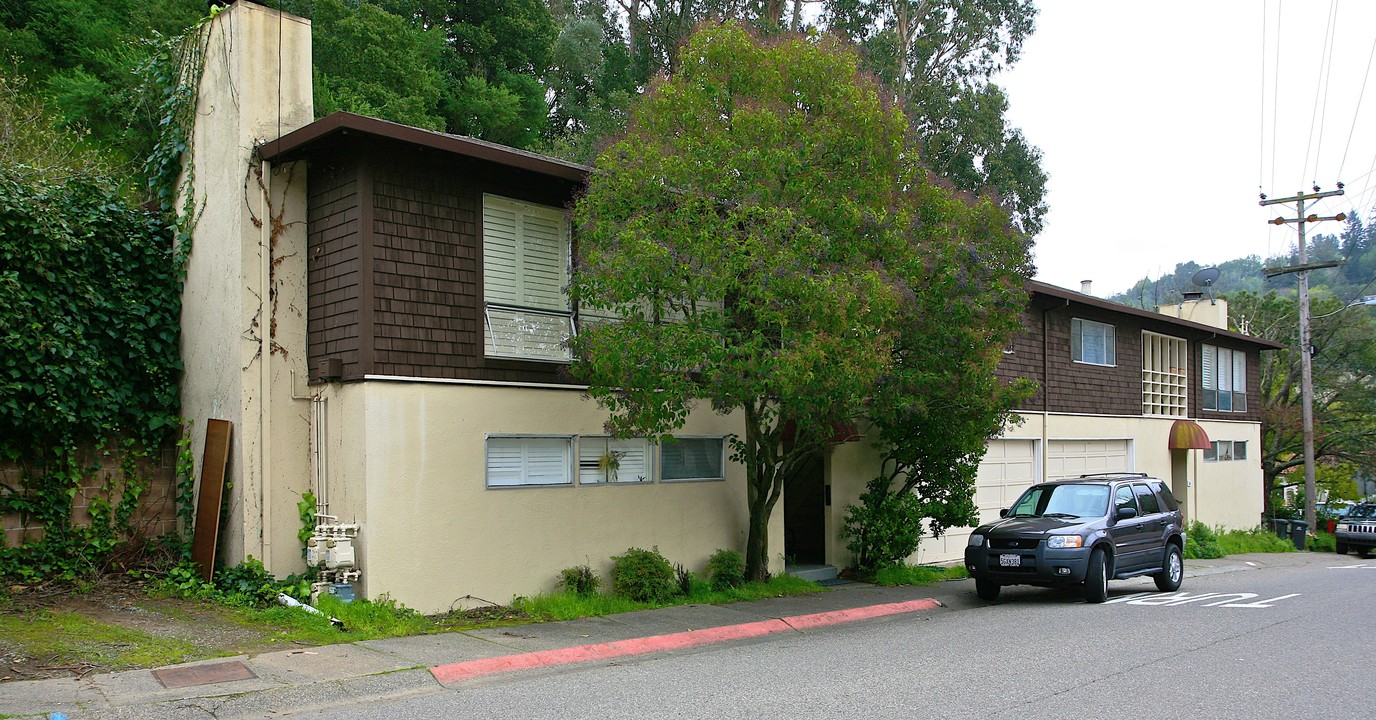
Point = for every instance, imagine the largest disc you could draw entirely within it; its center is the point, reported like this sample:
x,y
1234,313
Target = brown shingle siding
x,y
332,264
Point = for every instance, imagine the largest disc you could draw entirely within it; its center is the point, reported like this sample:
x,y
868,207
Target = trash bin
x,y
1281,526
1298,530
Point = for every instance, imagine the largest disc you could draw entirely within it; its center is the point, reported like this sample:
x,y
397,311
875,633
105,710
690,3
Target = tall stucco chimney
x,y
240,343
1085,287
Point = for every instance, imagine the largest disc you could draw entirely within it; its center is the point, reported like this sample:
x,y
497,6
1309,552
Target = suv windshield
x,y
1362,511
1062,501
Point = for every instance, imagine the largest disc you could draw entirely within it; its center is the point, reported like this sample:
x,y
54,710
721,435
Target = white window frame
x,y
1106,338
665,454
1165,385
1226,451
1223,366
551,455
593,470
526,316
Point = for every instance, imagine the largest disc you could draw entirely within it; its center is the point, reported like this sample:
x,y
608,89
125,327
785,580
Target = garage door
x,y
1008,468
1068,458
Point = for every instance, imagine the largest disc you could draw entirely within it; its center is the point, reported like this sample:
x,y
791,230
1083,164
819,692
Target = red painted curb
x,y
455,672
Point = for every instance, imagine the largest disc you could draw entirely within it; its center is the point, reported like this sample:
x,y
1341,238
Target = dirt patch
x,y
115,623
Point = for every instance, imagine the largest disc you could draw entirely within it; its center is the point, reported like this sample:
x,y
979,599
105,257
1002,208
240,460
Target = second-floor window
x,y
1225,379
525,271
1163,375
1092,342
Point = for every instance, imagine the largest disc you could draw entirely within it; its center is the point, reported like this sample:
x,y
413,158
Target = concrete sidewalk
x,y
332,675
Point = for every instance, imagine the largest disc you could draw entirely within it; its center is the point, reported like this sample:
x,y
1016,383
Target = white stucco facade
x,y
243,306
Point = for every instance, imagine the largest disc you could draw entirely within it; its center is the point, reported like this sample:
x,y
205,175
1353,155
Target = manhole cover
x,y
203,674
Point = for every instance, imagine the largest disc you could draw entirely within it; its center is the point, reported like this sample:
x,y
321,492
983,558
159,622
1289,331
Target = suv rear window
x,y
1146,499
1167,498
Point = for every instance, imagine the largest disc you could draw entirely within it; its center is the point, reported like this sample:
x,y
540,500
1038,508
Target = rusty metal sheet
x,y
203,674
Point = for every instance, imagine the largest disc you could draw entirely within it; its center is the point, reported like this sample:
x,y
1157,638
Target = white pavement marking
x,y
1227,600
1352,567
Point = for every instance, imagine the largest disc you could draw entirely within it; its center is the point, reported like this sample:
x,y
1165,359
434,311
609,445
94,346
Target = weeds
x,y
569,606
919,574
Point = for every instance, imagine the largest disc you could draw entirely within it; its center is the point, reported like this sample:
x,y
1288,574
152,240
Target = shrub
x,y
1201,542
685,580
579,580
1322,542
643,575
1256,540
885,528
726,568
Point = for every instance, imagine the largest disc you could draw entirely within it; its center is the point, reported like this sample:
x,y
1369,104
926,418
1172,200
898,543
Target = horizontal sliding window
x,y
514,461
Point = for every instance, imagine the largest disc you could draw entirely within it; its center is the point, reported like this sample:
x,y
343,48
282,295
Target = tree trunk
x,y
757,543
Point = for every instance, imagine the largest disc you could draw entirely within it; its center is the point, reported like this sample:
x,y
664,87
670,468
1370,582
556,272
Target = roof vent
x,y
1192,295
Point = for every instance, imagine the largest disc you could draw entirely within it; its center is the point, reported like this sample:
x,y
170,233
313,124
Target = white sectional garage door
x,y
1069,458
1008,468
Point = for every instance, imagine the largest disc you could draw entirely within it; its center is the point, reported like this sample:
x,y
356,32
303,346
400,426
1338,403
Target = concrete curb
x,y
459,672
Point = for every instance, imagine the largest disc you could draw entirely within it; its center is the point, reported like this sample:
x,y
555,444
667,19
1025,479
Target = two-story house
x,y
379,311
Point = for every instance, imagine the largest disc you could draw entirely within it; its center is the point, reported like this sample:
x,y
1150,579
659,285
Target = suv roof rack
x,y
1114,474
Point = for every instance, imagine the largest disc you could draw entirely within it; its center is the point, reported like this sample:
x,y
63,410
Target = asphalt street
x,y
1293,640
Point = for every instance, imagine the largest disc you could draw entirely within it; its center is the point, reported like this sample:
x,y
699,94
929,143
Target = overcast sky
x,y
1159,120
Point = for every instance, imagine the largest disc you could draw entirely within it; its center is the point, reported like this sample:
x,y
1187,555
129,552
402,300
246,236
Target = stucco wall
x,y
408,462
243,302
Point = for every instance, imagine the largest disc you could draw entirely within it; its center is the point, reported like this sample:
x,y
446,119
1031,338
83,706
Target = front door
x,y
805,514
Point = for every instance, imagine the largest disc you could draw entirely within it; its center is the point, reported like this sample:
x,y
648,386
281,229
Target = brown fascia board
x,y
1060,293
298,143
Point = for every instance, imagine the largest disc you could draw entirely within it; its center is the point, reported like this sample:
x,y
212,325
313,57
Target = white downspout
x,y
264,359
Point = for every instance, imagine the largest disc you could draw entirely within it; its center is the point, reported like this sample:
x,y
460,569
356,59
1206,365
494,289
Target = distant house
x,y
379,311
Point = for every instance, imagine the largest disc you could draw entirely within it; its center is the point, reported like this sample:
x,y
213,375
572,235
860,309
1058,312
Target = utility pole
x,y
1306,349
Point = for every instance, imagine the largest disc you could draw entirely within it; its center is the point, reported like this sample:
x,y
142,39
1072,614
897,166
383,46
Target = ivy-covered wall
x,y
89,311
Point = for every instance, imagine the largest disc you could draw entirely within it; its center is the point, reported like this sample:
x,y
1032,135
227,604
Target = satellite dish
x,y
1206,278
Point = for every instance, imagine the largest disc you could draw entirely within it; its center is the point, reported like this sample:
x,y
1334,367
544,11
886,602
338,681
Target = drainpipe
x,y
264,371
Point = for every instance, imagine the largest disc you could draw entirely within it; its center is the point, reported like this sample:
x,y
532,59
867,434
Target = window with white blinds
x,y
514,461
525,271
1092,342
1163,375
1225,379
603,459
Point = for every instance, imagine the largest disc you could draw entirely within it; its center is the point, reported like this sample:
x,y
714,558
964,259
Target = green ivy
x,y
90,306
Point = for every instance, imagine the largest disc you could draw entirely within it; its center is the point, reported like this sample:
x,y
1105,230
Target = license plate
x,y
1011,560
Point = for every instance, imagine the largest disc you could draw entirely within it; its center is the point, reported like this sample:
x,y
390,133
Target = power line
x,y
1321,89
1366,76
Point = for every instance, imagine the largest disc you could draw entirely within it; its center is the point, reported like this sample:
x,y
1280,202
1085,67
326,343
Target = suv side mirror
x,y
1126,512
1003,512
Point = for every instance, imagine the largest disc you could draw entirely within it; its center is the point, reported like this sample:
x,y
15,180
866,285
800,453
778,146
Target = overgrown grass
x,y
1203,542
919,574
1322,542
570,606
62,638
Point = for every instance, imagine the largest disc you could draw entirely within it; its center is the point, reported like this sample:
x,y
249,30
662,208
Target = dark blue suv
x,y
1081,531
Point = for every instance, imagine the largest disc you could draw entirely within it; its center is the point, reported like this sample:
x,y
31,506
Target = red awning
x,y
1187,435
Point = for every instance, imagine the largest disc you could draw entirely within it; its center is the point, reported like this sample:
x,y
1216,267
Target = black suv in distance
x,y
1081,531
1357,531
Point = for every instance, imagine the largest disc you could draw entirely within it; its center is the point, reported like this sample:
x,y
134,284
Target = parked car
x,y
1082,532
1356,531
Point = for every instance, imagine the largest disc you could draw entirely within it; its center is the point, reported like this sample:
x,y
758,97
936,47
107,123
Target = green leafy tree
x,y
81,57
940,403
939,56
1344,367
757,232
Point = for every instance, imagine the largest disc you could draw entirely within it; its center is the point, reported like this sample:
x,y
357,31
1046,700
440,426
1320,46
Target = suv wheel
x,y
1168,580
1096,580
1340,548
987,590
